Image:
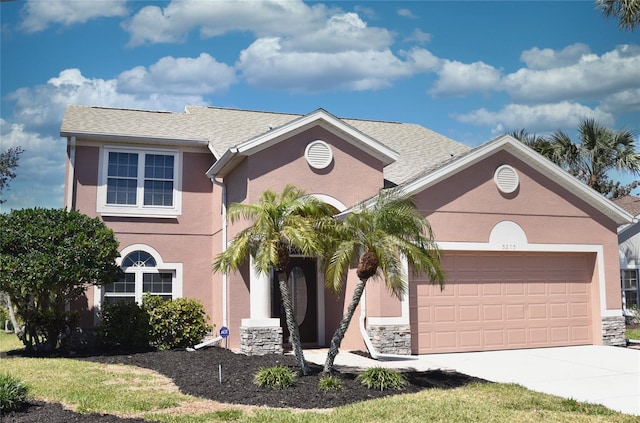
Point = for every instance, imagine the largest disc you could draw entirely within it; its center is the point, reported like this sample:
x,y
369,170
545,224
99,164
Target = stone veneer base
x,y
391,339
260,340
613,331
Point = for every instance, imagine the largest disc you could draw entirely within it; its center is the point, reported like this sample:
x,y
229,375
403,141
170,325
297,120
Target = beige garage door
x,y
495,301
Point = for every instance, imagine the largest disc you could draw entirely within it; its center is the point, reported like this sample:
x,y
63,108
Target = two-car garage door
x,y
508,300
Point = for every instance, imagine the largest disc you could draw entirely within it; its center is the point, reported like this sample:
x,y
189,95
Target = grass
x,y
633,333
131,391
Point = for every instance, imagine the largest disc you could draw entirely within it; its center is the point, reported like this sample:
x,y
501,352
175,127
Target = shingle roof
x,y
419,148
629,203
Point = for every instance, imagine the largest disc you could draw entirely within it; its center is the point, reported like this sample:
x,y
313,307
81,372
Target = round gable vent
x,y
506,178
318,154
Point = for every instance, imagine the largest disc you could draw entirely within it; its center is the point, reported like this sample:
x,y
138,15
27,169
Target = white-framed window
x,y
139,182
629,278
142,271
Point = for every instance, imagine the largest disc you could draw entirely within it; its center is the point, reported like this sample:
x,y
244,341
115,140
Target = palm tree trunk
x,y
294,332
342,327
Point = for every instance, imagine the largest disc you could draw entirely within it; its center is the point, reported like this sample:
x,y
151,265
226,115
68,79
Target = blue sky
x,y
470,70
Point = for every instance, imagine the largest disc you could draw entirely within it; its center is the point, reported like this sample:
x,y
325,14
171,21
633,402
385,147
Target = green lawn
x,y
633,334
131,391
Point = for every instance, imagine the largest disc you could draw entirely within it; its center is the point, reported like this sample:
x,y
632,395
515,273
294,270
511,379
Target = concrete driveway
x,y
597,374
602,375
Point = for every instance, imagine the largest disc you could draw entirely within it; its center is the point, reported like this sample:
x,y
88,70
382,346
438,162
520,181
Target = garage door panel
x,y
513,300
492,312
489,288
538,311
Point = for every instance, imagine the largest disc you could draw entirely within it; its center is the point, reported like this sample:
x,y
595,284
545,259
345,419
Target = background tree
x,y
48,258
8,163
280,224
382,236
599,151
626,11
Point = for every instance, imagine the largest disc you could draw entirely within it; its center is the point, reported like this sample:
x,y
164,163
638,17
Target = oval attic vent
x,y
318,154
506,178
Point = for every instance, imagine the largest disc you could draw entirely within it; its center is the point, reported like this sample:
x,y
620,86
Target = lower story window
x,y
630,289
139,276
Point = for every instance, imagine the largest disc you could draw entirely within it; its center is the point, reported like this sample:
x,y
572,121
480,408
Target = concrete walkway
x,y
603,375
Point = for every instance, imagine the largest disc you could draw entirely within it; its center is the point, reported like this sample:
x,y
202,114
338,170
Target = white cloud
x,y
547,58
340,32
266,64
623,101
300,27
422,60
40,172
153,24
184,75
418,36
589,77
456,78
406,13
539,118
38,14
168,84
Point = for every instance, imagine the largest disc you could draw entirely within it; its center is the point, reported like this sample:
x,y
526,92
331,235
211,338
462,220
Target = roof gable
x,y
321,118
521,151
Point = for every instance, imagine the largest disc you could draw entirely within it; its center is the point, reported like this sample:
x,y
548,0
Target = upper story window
x,y
139,182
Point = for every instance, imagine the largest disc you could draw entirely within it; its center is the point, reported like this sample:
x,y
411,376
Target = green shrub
x,y
124,325
178,323
13,393
330,383
382,378
278,377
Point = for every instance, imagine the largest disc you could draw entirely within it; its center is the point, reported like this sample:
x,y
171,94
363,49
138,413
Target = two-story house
x,y
531,254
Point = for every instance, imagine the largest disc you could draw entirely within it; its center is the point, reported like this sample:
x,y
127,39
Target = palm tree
x,y
599,151
281,223
382,235
627,11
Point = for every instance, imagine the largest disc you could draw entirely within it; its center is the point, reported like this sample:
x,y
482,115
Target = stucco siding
x,y
468,205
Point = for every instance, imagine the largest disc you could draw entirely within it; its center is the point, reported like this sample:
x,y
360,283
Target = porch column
x,y
260,333
260,294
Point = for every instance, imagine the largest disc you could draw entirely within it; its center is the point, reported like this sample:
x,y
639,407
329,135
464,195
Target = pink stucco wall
x,y
188,239
466,206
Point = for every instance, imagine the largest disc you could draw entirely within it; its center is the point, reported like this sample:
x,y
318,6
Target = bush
x,y
178,323
330,383
124,325
48,259
382,378
13,393
278,377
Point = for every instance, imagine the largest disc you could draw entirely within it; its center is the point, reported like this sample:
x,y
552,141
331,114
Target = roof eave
x,y
132,139
327,121
225,164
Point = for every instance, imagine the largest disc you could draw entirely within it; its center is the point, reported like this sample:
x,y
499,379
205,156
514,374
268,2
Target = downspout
x,y
71,141
367,340
223,187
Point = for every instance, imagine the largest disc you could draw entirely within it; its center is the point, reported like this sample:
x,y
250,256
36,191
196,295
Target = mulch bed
x,y
197,373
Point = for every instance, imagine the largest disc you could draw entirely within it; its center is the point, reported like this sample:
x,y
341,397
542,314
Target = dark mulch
x,y
197,373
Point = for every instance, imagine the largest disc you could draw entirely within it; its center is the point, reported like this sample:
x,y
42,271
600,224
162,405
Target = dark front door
x,y
301,275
